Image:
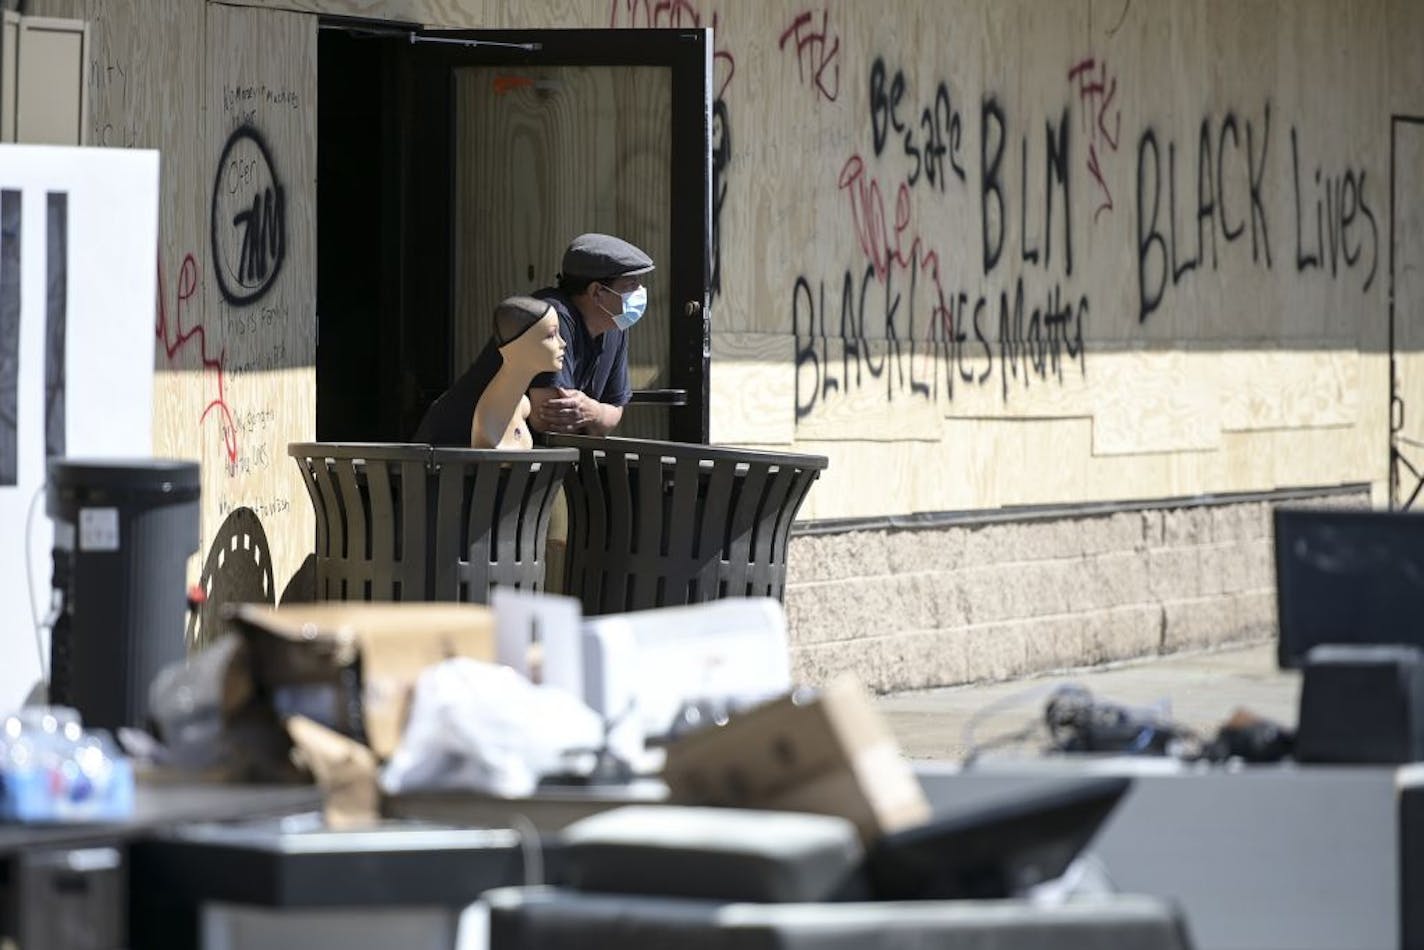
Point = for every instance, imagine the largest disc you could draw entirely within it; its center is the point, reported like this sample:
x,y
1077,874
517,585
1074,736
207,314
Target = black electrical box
x,y
123,532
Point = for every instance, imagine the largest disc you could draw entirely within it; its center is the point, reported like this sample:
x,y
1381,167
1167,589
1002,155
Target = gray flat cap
x,y
602,255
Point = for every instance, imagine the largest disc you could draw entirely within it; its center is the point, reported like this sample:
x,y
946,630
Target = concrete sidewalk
x,y
1201,688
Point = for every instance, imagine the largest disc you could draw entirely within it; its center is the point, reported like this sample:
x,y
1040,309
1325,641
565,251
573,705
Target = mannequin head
x,y
526,330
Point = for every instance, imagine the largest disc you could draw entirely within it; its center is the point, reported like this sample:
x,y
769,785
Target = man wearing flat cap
x,y
598,297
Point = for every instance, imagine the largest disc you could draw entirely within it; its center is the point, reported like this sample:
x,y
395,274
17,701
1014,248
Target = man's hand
x,y
571,411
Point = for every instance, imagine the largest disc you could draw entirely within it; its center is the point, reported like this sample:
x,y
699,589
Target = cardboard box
x,y
345,770
832,754
352,666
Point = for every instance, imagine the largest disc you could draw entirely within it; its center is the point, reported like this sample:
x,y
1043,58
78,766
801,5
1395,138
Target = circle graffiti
x,y
249,219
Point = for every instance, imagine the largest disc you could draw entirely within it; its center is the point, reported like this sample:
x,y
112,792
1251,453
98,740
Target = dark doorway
x,y
452,169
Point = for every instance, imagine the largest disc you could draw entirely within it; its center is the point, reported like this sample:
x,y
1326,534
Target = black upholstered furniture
x,y
640,878
535,918
413,522
659,524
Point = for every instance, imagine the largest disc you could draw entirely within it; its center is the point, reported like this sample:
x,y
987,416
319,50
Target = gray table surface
x,y
161,805
1265,857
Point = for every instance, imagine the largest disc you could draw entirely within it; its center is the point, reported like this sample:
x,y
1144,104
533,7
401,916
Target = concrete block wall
x,y
990,598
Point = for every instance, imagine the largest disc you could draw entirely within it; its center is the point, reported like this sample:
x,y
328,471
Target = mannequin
x,y
526,331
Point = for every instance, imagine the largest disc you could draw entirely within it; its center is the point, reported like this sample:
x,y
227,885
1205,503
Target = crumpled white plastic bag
x,y
485,727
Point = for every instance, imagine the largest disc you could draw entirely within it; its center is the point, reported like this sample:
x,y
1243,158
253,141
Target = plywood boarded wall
x,y
1191,198
1035,253
228,96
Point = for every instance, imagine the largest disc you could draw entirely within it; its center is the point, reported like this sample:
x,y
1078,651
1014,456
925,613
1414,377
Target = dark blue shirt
x,y
597,365
450,418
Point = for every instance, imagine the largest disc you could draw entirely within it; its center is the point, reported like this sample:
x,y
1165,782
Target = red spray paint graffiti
x,y
1098,93
867,209
672,14
821,47
175,338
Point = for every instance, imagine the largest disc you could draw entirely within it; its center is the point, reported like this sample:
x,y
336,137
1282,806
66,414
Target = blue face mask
x,y
635,302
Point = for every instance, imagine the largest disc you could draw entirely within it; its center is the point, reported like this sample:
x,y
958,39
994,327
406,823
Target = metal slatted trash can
x,y
411,522
492,510
659,524
370,500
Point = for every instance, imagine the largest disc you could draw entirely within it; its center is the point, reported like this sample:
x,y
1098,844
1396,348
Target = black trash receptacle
x,y
661,524
372,518
123,532
492,509
410,521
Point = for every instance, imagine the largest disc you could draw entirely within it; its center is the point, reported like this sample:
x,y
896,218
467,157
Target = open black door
x,y
490,150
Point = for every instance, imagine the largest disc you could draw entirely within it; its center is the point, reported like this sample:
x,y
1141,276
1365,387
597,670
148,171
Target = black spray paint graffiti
x,y
1339,199
994,202
721,158
901,365
1230,165
928,143
1160,255
923,351
1037,344
249,219
897,327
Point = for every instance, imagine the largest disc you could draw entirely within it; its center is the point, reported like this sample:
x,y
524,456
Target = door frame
x,y
1397,459
428,172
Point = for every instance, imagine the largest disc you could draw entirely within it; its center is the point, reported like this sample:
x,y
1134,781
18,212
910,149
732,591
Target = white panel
x,y
108,364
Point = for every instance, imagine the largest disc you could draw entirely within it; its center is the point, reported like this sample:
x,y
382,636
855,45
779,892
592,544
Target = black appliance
x,y
123,533
1347,576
